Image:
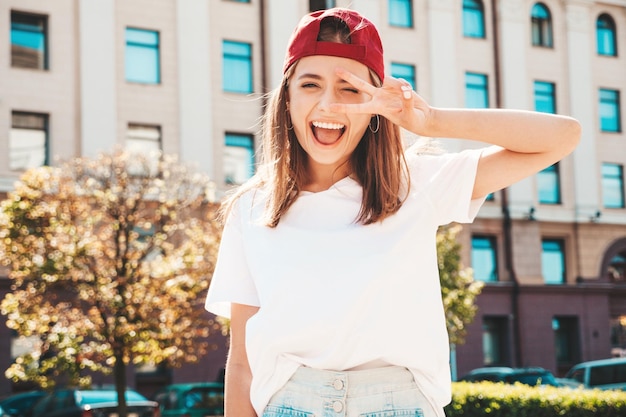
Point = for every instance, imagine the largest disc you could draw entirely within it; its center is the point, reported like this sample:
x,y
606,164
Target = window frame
x,y
619,187
545,252
249,146
615,106
482,88
394,8
45,58
555,173
232,57
542,33
492,248
544,89
474,10
328,4
45,123
606,34
411,78
145,46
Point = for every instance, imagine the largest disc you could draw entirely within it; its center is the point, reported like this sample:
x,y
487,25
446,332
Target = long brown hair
x,y
377,163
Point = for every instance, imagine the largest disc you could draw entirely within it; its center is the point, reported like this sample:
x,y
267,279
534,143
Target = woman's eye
x,y
351,90
309,85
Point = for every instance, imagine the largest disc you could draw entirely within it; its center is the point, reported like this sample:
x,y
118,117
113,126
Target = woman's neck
x,y
321,178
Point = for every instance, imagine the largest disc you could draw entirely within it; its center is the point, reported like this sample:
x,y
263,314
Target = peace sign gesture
x,y
395,100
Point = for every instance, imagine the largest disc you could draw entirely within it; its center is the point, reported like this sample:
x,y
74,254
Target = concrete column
x,y
444,69
583,99
513,20
98,69
282,18
197,144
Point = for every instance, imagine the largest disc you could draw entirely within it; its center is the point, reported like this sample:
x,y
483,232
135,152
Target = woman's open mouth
x,y
327,133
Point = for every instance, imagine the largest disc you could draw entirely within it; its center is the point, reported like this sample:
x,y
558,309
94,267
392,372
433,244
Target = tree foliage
x,y
109,260
458,288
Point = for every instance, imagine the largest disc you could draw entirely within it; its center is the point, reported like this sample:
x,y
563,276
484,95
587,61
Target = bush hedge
x,y
505,400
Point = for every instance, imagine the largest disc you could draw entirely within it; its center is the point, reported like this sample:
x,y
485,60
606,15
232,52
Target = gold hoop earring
x,y
289,122
377,125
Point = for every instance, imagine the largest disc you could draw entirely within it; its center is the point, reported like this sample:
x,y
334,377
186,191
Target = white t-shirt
x,y
334,294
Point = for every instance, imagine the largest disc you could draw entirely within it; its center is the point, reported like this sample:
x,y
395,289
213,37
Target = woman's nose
x,y
327,98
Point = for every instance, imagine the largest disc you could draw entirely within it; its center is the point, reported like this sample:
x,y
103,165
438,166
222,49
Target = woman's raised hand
x,y
395,100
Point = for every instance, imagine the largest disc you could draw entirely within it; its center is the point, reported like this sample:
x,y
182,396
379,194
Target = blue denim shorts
x,y
379,392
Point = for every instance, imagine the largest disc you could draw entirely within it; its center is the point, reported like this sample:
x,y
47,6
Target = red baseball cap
x,y
365,48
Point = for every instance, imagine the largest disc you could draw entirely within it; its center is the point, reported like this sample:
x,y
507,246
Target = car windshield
x,y
534,379
199,398
105,396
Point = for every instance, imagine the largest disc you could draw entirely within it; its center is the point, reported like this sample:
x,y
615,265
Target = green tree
x,y
110,259
458,288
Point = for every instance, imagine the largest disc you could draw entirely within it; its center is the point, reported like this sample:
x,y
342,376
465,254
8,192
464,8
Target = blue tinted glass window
x,y
401,13
484,258
612,185
605,35
541,25
476,91
473,19
548,185
405,71
28,41
545,100
238,158
553,261
142,56
610,111
237,67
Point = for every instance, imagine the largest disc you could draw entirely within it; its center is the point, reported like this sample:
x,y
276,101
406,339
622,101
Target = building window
x,y
616,270
548,184
553,261
315,5
476,91
541,23
238,158
612,185
545,99
484,258
605,35
404,71
401,13
610,117
473,19
28,141
495,341
566,342
143,139
237,67
142,56
29,40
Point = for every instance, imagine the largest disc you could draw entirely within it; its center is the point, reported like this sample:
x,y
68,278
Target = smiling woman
x,y
337,231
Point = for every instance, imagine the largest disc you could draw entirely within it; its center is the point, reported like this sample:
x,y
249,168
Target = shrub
x,y
505,400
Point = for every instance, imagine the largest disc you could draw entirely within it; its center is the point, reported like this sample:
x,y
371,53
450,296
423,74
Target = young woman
x,y
327,266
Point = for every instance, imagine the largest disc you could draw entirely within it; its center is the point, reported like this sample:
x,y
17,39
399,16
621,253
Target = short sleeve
x,y
448,181
231,281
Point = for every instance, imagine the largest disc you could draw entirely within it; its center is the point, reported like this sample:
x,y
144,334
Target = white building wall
x,y
98,60
197,144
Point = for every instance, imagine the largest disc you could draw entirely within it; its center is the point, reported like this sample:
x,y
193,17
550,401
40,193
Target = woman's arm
x,y
238,374
525,142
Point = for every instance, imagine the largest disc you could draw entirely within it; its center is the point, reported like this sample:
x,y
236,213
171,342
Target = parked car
x,y
17,405
603,374
92,403
529,376
198,399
